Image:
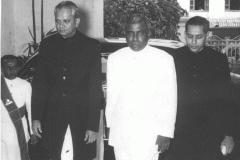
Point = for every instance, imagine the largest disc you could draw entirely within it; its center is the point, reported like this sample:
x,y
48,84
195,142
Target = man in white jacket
x,y
16,98
141,96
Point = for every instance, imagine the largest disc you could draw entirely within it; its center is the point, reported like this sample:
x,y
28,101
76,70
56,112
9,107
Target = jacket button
x,y
64,77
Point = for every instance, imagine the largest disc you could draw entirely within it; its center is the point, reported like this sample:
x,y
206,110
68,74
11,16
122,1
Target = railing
x,y
224,22
230,47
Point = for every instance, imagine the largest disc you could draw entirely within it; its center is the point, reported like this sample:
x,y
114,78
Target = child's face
x,y
10,68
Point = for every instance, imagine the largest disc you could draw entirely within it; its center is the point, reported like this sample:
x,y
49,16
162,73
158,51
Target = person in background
x,y
16,100
67,86
204,123
141,95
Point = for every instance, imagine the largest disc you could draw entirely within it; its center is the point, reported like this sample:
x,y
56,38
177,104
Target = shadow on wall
x,y
84,21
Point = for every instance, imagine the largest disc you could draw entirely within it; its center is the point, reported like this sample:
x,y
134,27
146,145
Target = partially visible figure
x,y
141,95
204,123
16,99
67,89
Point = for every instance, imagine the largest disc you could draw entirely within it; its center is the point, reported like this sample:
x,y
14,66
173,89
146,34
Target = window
x,y
199,5
232,4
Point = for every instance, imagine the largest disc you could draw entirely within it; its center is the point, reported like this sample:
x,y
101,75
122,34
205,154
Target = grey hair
x,y
69,5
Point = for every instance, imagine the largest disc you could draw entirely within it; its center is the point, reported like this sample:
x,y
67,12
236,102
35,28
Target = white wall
x,y
17,17
216,8
7,27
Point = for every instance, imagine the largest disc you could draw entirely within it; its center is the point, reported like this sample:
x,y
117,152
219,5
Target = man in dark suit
x,y
67,87
204,124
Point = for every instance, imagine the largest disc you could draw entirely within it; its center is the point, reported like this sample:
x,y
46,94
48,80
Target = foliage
x,y
164,17
32,47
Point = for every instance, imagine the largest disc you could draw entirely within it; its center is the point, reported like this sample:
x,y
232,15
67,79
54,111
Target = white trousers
x,y
10,149
122,155
9,141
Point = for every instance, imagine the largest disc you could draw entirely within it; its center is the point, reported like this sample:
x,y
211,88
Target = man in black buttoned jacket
x,y
204,123
67,87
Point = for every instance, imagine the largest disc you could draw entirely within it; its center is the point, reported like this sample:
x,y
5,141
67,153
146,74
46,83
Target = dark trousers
x,y
191,147
54,141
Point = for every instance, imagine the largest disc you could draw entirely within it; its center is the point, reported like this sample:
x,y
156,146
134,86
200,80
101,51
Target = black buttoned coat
x,y
67,88
204,104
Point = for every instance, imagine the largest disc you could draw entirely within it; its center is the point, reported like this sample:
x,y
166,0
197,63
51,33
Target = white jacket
x,y
141,98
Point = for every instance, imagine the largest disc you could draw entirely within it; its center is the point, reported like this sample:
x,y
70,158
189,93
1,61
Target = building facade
x,y
220,13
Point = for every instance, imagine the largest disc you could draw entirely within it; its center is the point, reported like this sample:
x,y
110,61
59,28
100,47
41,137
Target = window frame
x,y
227,6
206,5
192,6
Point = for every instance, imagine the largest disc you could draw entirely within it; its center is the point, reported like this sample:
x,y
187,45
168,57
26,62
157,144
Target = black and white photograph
x,y
120,79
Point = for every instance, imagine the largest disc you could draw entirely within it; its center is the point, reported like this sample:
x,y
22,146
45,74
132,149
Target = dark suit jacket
x,y
204,90
204,103
67,84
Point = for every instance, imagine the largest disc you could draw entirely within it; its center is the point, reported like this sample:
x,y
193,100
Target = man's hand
x,y
229,143
36,127
34,139
90,136
163,143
